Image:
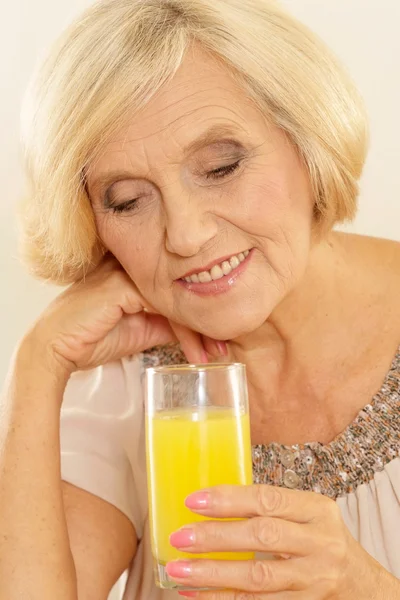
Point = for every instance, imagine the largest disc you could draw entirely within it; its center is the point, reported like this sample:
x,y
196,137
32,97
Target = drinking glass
x,y
197,436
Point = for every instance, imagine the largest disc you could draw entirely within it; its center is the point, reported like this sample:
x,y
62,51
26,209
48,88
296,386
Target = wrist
x,y
32,396
34,361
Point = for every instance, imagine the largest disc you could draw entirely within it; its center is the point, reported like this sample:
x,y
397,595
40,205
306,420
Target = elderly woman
x,y
187,161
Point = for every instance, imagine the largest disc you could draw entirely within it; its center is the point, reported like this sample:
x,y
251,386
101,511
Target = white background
x,y
364,33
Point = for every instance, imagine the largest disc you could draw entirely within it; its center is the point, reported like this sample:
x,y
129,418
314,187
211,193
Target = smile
x,y
218,271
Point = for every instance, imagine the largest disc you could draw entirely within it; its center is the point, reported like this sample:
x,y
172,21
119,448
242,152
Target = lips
x,y
218,271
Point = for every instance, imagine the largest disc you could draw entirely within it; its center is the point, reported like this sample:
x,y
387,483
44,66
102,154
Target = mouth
x,y
219,278
217,271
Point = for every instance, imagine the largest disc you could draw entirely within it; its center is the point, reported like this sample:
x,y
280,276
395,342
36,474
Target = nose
x,y
188,227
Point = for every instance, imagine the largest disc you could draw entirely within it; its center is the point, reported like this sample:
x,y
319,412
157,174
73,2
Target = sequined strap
x,y
170,354
336,469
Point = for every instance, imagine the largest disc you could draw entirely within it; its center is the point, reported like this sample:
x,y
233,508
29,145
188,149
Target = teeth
x,y
235,262
218,271
226,267
205,277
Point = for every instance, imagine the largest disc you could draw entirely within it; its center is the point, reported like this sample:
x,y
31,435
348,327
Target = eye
x,y
125,206
222,172
126,195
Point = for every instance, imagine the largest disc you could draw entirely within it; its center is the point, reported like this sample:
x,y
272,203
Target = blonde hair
x,y
119,53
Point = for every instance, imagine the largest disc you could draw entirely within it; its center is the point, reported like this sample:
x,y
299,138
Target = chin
x,y
230,326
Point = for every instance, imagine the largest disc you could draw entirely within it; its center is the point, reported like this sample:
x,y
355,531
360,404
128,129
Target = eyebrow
x,y
216,133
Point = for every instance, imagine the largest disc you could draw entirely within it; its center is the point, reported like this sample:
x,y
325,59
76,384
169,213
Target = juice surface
x,y
189,449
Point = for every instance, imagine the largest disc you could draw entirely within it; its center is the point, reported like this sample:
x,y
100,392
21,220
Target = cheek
x,y
129,241
273,207
277,211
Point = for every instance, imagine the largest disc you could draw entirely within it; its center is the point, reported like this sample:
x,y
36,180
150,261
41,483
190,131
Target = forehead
x,y
202,93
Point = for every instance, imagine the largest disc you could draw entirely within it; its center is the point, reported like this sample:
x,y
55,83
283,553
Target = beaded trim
x,y
364,448
170,354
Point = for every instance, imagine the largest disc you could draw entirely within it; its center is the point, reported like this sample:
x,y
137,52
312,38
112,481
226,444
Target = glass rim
x,y
193,368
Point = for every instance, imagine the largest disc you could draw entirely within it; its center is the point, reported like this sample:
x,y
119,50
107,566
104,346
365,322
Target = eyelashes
x,y
215,174
125,206
222,172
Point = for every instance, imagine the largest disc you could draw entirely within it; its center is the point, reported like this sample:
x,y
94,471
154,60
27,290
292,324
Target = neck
x,y
325,349
300,345
302,323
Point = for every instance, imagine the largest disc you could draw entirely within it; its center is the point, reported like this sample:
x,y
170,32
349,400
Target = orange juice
x,y
189,449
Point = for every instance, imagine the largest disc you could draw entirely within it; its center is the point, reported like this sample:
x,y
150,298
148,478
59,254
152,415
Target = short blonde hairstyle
x,y
119,53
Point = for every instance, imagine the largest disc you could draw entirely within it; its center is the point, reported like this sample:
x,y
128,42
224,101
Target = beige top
x,y
103,452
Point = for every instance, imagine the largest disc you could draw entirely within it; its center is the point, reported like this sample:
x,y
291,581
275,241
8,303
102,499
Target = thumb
x,y
191,343
215,348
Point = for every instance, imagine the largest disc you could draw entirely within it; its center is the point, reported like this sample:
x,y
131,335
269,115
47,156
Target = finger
x,y
260,500
260,534
148,330
214,348
250,576
236,595
191,343
107,263
133,334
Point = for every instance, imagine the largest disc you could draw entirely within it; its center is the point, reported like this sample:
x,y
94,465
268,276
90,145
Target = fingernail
x,y
179,569
204,357
198,501
222,348
189,594
182,538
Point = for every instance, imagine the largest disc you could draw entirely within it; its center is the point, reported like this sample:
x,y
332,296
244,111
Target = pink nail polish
x,y
182,538
198,501
189,594
180,569
222,348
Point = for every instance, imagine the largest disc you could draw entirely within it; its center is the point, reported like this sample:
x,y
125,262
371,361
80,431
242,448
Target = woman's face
x,y
199,180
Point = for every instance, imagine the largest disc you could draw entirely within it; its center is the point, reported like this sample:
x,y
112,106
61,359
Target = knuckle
x,y
327,512
328,585
205,532
337,548
269,499
259,574
330,508
244,596
116,277
266,532
315,593
332,565
336,516
213,574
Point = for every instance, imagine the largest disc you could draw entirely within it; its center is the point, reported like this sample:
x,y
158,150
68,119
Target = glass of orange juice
x,y
197,436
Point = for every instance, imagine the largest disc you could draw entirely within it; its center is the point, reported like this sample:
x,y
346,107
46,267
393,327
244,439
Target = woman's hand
x,y
319,559
105,318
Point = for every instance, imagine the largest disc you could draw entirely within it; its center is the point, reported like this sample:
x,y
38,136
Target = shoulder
x,y
374,270
376,252
371,248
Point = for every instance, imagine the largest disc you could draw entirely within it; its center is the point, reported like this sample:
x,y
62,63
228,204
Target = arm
x,y
102,540
35,557
57,541
45,552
